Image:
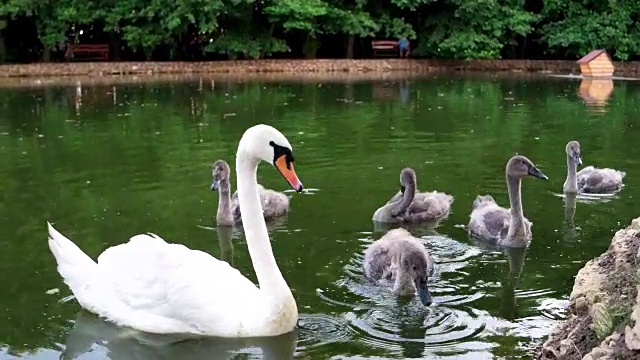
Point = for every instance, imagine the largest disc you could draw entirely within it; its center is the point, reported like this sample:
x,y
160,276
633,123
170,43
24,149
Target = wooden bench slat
x,y
387,46
102,51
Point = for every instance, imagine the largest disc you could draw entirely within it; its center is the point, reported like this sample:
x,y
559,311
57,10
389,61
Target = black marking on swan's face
x,y
279,151
283,161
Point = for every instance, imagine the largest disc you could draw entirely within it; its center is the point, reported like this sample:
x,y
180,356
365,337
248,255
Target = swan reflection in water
x,y
569,227
515,257
124,343
225,234
571,232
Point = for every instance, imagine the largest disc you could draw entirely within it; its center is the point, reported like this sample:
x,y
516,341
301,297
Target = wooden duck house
x,y
596,64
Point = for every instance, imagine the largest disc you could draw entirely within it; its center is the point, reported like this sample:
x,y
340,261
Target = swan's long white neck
x,y
255,229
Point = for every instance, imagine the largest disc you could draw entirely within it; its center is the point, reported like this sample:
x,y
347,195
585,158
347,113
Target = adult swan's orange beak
x,y
286,169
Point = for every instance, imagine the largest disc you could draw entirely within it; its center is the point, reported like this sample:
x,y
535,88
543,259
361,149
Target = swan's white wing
x,y
167,287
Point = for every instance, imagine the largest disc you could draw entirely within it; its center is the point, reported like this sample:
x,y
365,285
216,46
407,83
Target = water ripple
x,y
386,322
319,329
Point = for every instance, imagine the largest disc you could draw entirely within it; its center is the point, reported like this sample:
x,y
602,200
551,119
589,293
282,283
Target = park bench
x,y
89,51
385,47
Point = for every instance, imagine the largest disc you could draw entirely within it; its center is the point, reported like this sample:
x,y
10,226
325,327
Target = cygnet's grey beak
x,y
533,171
577,159
423,291
215,185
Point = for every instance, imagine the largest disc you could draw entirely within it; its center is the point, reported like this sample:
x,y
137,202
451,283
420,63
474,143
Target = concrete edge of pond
x,y
604,319
337,68
208,80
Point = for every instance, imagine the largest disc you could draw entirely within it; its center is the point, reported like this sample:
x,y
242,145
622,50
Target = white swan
x,y
157,287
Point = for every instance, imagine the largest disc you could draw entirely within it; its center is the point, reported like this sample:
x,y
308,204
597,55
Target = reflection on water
x,y
113,161
596,93
89,331
121,344
317,330
570,232
225,233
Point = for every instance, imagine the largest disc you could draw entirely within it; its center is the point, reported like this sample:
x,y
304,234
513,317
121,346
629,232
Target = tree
x,y
575,28
474,30
299,16
345,17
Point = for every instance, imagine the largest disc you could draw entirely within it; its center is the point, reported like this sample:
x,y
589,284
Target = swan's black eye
x,y
415,268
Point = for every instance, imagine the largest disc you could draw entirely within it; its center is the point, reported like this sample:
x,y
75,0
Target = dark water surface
x,y
138,159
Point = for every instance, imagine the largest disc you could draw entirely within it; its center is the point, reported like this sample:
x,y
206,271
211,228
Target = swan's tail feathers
x,y
75,267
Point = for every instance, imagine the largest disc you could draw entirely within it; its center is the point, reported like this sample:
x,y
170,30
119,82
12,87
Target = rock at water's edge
x,y
604,321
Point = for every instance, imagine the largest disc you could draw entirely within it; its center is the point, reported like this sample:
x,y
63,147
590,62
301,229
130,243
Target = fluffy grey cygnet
x,y
496,224
401,261
274,203
411,206
589,180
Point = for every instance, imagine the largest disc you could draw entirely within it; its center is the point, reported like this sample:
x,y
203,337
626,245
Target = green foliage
x,y
396,27
297,14
576,28
482,29
350,21
237,44
475,30
146,25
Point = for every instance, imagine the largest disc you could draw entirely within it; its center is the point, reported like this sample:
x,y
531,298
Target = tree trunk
x,y
310,47
350,41
272,28
3,49
115,46
46,53
148,53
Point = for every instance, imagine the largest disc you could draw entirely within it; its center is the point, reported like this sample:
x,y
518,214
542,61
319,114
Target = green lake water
x,y
112,162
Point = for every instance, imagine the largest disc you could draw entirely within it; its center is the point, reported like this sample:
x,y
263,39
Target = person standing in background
x,y
403,46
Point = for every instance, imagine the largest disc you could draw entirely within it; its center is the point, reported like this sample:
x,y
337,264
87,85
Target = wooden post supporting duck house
x,y
596,64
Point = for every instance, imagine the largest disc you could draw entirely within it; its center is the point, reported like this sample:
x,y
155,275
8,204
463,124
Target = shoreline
x,y
391,65
206,79
325,70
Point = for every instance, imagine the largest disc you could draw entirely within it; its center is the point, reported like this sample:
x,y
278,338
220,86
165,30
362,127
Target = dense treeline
x,y
235,29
